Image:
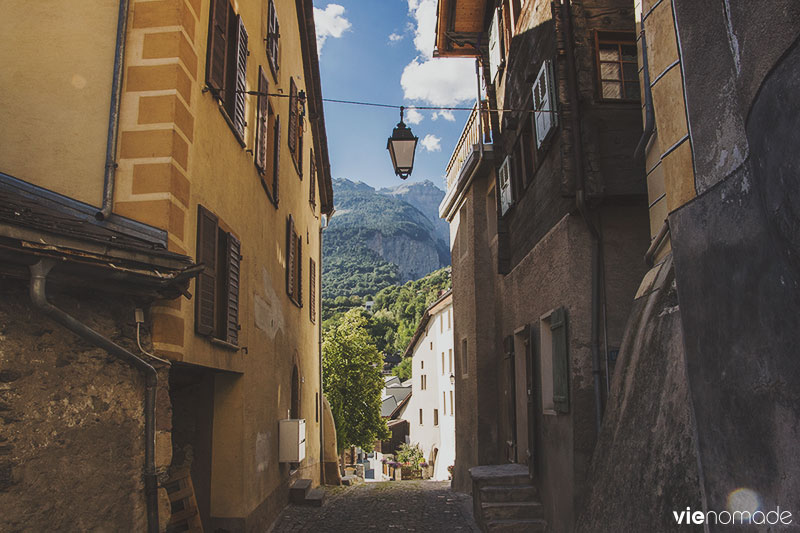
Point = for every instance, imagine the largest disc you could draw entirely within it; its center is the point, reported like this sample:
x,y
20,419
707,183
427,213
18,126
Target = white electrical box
x,y
292,440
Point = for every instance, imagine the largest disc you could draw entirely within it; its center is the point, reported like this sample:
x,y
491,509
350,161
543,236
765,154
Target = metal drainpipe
x,y
649,116
321,393
113,115
38,296
580,203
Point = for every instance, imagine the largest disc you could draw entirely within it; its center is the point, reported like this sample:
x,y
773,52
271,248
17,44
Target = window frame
x,y
231,93
225,278
620,38
294,263
272,45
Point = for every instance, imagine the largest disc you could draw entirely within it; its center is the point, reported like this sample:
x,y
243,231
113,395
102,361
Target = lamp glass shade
x,y
402,145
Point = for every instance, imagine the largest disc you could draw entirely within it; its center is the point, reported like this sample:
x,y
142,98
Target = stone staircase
x,y
301,493
504,499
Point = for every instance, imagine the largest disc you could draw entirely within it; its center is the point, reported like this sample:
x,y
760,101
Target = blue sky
x,y
380,51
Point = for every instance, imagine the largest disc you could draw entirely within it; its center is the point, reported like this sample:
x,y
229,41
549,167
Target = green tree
x,y
403,370
351,374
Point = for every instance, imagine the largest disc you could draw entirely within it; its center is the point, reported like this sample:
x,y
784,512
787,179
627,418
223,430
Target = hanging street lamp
x,y
402,145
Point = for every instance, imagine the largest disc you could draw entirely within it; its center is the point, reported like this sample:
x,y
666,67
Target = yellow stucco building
x,y
202,118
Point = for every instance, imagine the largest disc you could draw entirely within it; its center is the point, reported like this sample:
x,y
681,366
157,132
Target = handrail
x,y
470,137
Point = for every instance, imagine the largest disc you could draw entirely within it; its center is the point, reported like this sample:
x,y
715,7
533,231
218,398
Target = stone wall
x,y
71,443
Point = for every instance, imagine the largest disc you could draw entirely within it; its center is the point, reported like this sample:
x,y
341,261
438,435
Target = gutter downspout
x,y
580,203
113,115
38,296
321,391
649,116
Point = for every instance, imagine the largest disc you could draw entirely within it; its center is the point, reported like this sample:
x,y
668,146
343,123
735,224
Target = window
x,y
422,364
504,182
441,323
449,319
226,67
553,370
294,262
444,402
496,53
217,287
450,359
435,417
268,134
273,38
491,214
451,403
617,68
420,417
295,136
464,359
431,345
312,182
312,290
544,103
423,382
443,363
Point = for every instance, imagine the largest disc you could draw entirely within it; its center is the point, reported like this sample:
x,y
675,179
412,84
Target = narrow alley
x,y
391,505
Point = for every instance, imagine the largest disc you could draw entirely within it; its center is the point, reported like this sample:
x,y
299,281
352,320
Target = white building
x,y
430,411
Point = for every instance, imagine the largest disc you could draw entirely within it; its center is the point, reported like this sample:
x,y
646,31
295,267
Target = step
x,y
299,490
509,493
505,474
517,526
511,511
315,497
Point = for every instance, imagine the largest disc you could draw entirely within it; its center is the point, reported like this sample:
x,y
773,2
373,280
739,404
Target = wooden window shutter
x,y
506,192
273,36
495,54
234,256
241,77
298,280
217,46
262,123
291,254
292,116
312,182
312,290
276,159
558,327
205,292
544,103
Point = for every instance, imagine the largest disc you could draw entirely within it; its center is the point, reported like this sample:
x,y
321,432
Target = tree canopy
x,y
352,380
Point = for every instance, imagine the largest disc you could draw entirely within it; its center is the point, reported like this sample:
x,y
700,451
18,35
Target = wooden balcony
x,y
468,143
473,151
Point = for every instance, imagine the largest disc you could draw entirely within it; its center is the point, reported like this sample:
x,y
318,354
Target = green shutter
x,y
558,327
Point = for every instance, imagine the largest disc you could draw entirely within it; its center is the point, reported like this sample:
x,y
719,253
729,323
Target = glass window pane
x,y
630,71
628,53
609,71
632,91
612,89
609,52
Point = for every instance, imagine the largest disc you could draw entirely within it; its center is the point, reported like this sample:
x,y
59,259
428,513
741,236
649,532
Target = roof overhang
x,y
460,27
308,45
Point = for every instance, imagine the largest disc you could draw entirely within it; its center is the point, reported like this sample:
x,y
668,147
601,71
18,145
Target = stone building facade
x,y
548,217
213,150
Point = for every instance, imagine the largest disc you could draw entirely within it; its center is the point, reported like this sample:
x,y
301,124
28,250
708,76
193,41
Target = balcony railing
x,y
468,143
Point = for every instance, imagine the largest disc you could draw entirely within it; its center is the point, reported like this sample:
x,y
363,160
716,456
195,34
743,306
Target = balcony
x,y
467,155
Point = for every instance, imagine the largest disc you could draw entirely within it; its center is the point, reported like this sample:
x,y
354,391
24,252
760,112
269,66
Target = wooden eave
x,y
460,28
308,45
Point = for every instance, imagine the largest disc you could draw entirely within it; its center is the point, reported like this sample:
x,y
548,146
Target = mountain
x,y
376,239
426,197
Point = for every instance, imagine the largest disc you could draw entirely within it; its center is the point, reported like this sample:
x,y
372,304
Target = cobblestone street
x,y
386,506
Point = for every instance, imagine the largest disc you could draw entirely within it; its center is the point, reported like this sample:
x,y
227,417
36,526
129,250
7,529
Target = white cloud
x,y
445,114
394,37
431,143
444,82
413,116
330,22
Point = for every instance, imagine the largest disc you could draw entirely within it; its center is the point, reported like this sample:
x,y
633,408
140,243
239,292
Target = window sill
x,y
224,344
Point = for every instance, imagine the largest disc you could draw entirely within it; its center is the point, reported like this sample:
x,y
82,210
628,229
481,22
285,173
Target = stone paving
x,y
384,506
